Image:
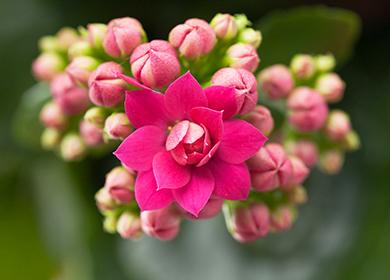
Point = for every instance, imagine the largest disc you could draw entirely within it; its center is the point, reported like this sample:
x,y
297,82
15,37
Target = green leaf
x,y
313,30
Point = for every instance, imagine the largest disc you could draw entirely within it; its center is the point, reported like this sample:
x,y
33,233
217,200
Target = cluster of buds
x,y
179,149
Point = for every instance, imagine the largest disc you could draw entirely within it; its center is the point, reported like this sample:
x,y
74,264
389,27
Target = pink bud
x,y
104,200
70,98
47,66
81,68
224,26
52,116
72,147
105,88
96,34
303,66
66,37
245,86
282,218
299,173
120,184
331,161
123,36
270,168
331,87
307,110
250,223
117,126
91,134
338,125
129,226
243,56
194,38
276,81
155,64
210,210
261,118
163,224
306,150
297,195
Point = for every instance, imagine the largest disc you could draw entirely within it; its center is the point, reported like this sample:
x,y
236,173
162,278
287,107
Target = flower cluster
x,y
182,118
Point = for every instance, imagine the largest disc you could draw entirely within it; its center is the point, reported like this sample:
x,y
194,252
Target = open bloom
x,y
183,149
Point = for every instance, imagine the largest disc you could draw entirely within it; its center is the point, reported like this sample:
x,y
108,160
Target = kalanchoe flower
x,y
303,66
270,168
261,118
331,87
331,161
276,81
307,109
123,36
120,184
81,68
70,98
299,173
251,37
194,38
47,66
91,134
210,210
129,226
244,84
155,64
183,150
243,56
117,126
104,201
306,150
224,26
105,88
96,34
282,218
249,223
163,224
52,116
50,138
72,147
80,48
338,125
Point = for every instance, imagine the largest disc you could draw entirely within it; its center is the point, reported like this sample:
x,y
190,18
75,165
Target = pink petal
x,y
145,107
179,155
194,133
168,173
211,119
182,95
222,98
240,141
133,82
232,181
139,148
177,134
194,196
146,194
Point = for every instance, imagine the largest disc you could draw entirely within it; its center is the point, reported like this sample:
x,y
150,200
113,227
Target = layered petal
x,y
222,98
211,119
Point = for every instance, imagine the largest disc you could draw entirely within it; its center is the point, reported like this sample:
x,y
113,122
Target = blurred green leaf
x,y
313,30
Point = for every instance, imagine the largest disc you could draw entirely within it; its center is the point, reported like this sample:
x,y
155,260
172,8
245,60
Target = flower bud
x,y
299,173
117,126
49,44
194,38
104,201
52,116
282,218
129,226
47,66
91,134
244,83
243,56
96,34
50,138
109,224
331,87
241,21
297,195
123,36
155,64
303,66
96,116
81,68
307,110
251,37
276,81
120,184
338,125
270,168
325,63
163,224
261,118
306,150
331,161
70,98
224,26
249,223
66,37
210,210
72,147
351,141
80,48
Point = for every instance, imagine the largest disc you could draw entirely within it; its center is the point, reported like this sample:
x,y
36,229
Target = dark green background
x,y
49,226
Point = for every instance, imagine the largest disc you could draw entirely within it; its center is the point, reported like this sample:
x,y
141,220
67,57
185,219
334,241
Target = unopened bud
x,y
297,195
306,150
325,63
331,87
331,161
282,218
243,56
52,116
303,66
66,37
72,147
299,173
47,66
251,37
129,226
117,126
210,210
224,26
81,68
96,34
91,134
109,224
80,48
96,116
338,125
120,184
104,201
242,21
50,138
163,224
276,81
352,141
261,118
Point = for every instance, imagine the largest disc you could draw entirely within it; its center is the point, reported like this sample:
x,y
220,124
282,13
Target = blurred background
x,y
50,228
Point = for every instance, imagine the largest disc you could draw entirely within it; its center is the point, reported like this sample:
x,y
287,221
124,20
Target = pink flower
x,y
210,210
244,83
261,118
243,56
105,88
117,126
270,168
307,109
155,64
123,36
331,87
276,81
183,149
194,38
91,134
